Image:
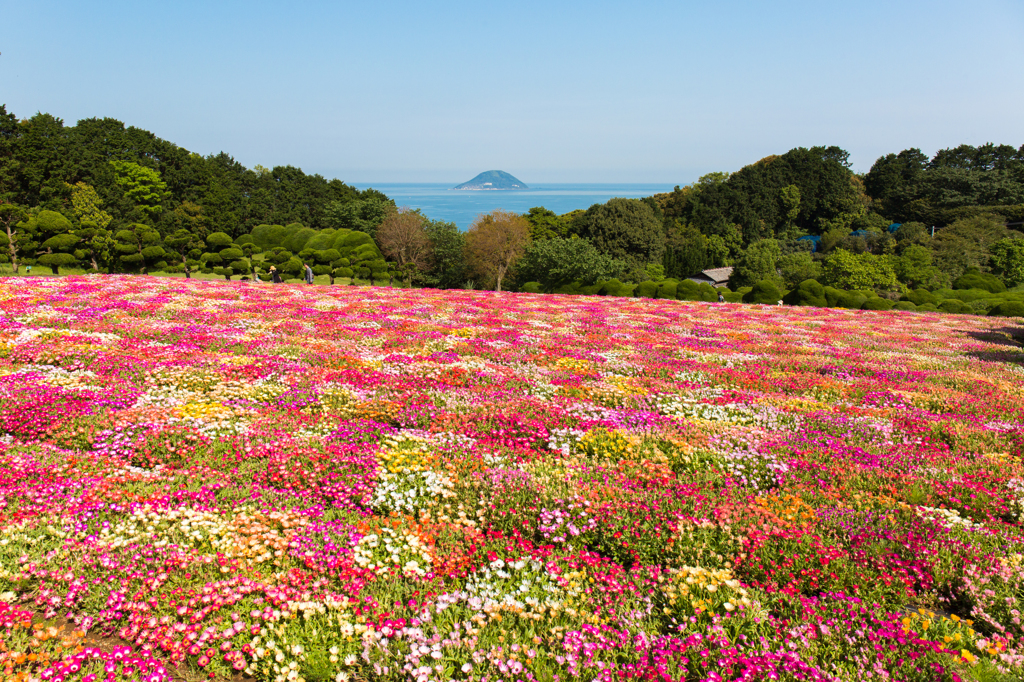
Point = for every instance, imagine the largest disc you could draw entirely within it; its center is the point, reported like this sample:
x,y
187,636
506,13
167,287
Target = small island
x,y
494,179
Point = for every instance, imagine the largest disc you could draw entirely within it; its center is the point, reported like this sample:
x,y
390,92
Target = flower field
x,y
214,480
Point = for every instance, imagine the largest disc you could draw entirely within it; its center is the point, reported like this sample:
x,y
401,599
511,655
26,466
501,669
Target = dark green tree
x,y
138,249
57,240
758,263
448,243
555,262
625,229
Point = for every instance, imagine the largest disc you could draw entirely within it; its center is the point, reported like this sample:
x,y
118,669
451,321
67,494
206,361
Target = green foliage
x,y
975,279
904,305
920,297
546,224
845,270
667,289
1008,260
555,262
853,300
625,229
965,244
914,268
1008,309
363,215
953,306
138,248
759,262
765,292
807,292
448,244
142,186
646,289
686,252
687,290
797,267
877,303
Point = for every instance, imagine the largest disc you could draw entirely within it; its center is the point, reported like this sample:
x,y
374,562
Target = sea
x,y
439,202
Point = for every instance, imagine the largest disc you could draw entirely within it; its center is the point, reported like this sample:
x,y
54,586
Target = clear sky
x,y
550,91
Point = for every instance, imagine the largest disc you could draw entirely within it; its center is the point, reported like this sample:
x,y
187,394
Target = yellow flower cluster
x,y
693,590
403,454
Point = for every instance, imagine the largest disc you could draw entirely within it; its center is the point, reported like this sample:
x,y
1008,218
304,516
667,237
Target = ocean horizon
x,y
439,202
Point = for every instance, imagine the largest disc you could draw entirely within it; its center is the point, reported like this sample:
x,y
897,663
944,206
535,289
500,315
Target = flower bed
x,y
367,483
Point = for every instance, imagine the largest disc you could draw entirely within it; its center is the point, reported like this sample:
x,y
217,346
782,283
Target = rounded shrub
x,y
1008,309
808,292
904,305
975,279
646,289
765,292
851,299
708,293
955,307
687,291
533,288
876,303
832,296
920,297
928,308
667,289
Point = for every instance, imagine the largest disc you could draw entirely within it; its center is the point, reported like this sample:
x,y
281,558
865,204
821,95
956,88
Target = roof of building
x,y
718,274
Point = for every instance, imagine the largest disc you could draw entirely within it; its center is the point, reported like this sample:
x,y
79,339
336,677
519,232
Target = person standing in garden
x,y
721,297
274,277
308,273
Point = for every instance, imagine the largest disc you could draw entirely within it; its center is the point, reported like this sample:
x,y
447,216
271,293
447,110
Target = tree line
x,y
109,198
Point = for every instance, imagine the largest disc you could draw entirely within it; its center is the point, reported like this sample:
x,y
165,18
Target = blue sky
x,y
394,91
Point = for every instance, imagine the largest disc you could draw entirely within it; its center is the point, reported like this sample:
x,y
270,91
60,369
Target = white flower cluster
x,y
1016,487
389,548
411,491
564,440
947,518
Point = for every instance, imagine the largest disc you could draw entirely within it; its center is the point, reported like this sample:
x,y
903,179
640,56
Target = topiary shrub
x,y
687,291
591,290
533,288
708,293
646,289
904,305
667,289
955,307
343,272
765,292
852,300
876,303
975,279
808,292
832,296
570,288
733,297
928,308
1008,309
920,297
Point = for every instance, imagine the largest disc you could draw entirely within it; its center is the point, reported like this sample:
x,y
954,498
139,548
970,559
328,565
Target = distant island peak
x,y
493,180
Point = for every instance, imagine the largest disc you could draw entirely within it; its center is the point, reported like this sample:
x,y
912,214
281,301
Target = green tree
x,y
555,262
1008,260
914,268
15,238
625,229
185,247
844,270
758,263
686,251
797,267
364,215
965,244
546,224
789,198
224,257
57,240
138,248
142,186
10,132
448,245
